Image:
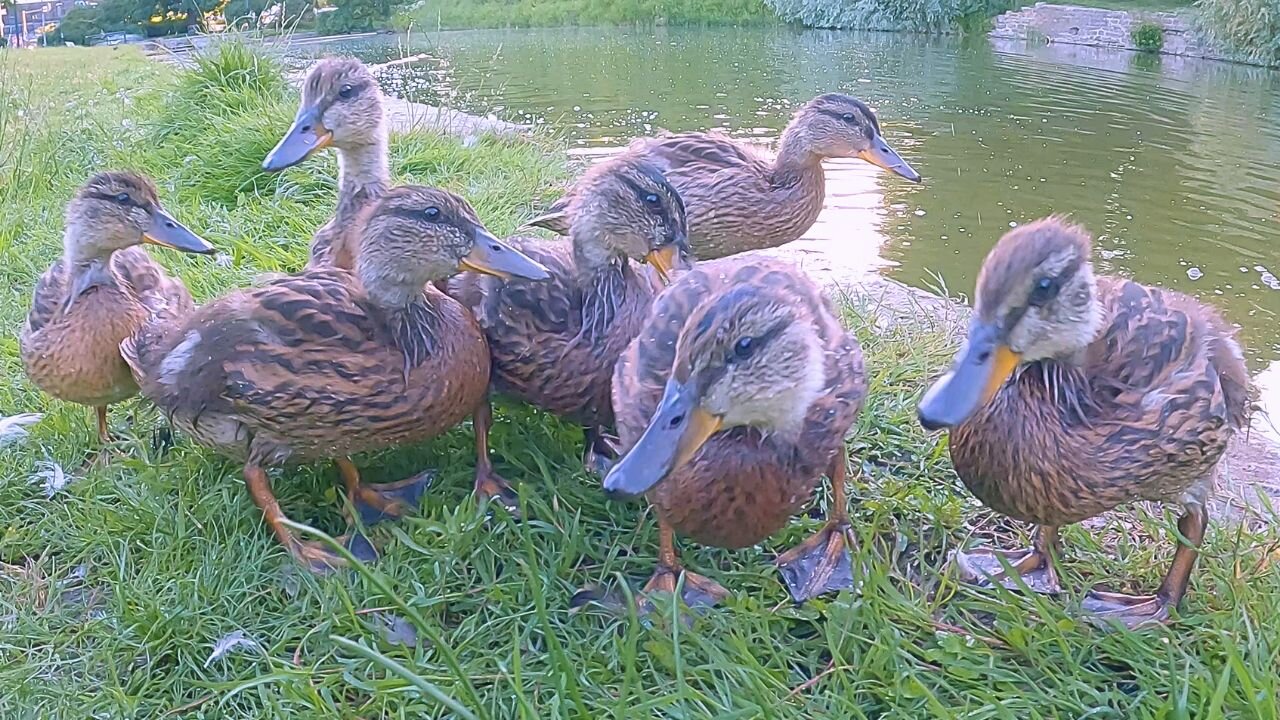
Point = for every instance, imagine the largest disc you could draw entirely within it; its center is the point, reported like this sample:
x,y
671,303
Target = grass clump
x,y
458,14
148,587
1148,37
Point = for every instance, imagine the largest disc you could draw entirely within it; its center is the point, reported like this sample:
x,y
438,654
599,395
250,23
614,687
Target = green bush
x,y
1148,37
929,16
1250,27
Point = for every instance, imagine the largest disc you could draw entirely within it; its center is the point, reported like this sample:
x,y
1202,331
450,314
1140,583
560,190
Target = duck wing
x,y
685,159
1167,372
47,299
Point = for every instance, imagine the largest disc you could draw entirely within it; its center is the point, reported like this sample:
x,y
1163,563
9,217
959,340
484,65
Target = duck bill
x,y
677,430
980,370
883,156
491,256
665,260
306,136
168,232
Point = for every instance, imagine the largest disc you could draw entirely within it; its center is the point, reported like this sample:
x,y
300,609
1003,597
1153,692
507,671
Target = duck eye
x,y
123,198
1046,288
432,212
847,117
346,92
743,348
651,198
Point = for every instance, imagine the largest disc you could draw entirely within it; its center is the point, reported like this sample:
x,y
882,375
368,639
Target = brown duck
x,y
555,342
1077,393
341,107
103,290
731,404
329,362
740,199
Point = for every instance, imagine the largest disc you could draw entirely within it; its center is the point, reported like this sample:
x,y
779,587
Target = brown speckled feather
x,y
307,368
742,485
72,351
1146,415
734,196
555,342
332,244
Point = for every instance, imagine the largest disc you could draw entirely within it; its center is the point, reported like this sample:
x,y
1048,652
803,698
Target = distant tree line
x,y
926,16
153,18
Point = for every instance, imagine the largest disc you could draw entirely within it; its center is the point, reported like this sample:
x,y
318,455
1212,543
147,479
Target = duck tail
x,y
556,219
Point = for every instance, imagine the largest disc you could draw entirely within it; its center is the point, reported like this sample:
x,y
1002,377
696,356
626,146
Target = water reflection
x,y
1170,162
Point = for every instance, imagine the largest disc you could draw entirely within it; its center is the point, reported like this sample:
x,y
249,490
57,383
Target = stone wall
x,y
1073,25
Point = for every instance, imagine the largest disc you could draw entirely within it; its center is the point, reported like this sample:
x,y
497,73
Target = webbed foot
x,y
982,566
820,564
699,591
320,559
600,453
491,486
383,501
1130,611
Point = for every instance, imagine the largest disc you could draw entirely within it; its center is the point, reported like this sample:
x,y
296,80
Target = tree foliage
x,y
148,17
910,15
1250,27
356,16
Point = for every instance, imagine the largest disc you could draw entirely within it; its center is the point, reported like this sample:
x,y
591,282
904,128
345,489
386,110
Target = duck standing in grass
x,y
104,289
731,404
341,106
740,198
329,362
1077,393
555,343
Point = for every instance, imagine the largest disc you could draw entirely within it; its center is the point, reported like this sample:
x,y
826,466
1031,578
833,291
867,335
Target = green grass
x,y
114,592
458,14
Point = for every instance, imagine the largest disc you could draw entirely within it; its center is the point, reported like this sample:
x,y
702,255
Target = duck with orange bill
x,y
1076,393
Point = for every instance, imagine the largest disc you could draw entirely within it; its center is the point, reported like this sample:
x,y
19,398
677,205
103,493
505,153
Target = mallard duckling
x,y
731,404
328,363
554,343
740,198
341,107
1077,393
103,290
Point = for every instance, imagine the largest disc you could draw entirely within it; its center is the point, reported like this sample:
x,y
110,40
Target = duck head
x,y
836,125
1036,300
748,357
416,235
116,210
625,208
341,106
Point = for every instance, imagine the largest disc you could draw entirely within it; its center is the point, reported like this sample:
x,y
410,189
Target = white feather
x,y
229,642
14,427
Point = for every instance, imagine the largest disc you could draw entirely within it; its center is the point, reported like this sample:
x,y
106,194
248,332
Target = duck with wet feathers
x,y
731,404
739,198
1076,393
329,362
555,342
341,107
103,289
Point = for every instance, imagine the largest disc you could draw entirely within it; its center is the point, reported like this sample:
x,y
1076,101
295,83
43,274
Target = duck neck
x,y
796,163
85,268
363,172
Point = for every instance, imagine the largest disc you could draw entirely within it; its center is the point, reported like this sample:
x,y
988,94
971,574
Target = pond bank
x,y
1114,29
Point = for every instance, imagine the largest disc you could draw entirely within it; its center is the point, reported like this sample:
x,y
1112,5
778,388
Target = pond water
x,y
1173,163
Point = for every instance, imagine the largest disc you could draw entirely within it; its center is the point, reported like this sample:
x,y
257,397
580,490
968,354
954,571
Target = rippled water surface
x,y
1173,163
